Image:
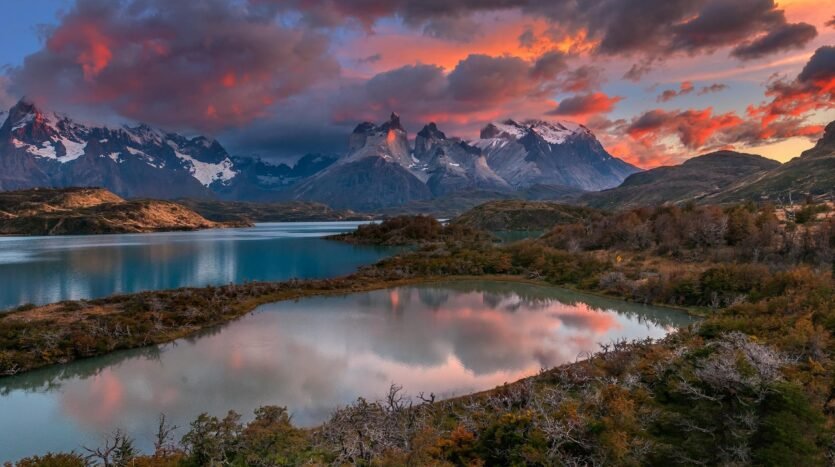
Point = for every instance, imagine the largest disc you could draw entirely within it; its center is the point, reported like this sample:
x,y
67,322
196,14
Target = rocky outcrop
x,y
85,211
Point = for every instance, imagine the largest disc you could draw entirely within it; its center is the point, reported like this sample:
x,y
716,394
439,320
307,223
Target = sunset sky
x,y
658,81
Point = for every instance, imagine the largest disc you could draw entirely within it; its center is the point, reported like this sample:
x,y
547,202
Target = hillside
x,y
42,148
520,215
86,211
287,211
812,173
695,179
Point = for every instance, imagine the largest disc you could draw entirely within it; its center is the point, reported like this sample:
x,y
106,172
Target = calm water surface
x,y
315,354
43,270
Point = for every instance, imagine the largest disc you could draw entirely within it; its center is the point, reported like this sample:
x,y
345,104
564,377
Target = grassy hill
x,y
812,173
286,211
517,215
695,179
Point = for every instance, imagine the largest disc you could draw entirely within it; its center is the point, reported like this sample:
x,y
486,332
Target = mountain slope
x,y
453,165
812,173
43,149
77,211
368,184
559,153
695,179
378,172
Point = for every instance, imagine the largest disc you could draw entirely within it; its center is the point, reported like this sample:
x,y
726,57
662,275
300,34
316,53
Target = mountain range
x,y
382,167
385,171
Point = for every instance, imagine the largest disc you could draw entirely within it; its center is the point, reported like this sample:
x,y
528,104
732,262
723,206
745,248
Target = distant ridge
x,y
84,211
695,179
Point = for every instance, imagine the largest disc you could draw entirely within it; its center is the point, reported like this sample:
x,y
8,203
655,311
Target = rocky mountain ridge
x,y
381,168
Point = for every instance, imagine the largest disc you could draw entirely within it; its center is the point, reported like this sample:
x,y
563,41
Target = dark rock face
x,y
426,138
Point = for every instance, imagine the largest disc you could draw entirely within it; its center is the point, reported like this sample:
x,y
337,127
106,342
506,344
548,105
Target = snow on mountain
x,y
550,153
381,169
62,152
208,173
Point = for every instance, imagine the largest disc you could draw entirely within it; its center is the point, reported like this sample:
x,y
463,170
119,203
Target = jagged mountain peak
x,y
25,112
388,141
431,130
393,123
550,153
427,138
368,128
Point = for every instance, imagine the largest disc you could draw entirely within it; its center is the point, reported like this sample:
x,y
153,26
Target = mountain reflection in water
x,y
315,354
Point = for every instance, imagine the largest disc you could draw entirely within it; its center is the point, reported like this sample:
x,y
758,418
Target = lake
x,y
42,270
318,353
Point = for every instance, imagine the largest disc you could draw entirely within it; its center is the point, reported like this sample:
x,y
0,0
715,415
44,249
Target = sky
x,y
657,81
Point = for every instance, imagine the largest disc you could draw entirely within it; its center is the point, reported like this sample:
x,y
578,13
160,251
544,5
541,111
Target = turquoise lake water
x,y
43,270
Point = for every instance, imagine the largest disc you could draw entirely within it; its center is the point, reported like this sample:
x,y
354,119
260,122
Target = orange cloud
x,y
86,42
585,105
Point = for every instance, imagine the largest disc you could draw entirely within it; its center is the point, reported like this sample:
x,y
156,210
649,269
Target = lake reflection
x,y
43,270
317,353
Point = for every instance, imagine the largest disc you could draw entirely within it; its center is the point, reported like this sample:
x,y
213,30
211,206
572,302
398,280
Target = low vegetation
x,y
413,230
750,384
288,211
523,215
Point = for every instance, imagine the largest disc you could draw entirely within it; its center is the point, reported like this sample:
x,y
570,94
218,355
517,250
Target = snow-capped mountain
x,y
550,153
380,170
45,149
452,164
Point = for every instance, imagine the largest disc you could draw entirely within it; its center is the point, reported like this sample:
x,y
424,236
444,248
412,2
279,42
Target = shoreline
x,y
82,310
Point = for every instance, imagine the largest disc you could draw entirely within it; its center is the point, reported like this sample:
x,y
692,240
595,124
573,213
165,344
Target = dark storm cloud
x,y
479,83
820,67
197,65
753,28
549,65
489,79
581,79
787,36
